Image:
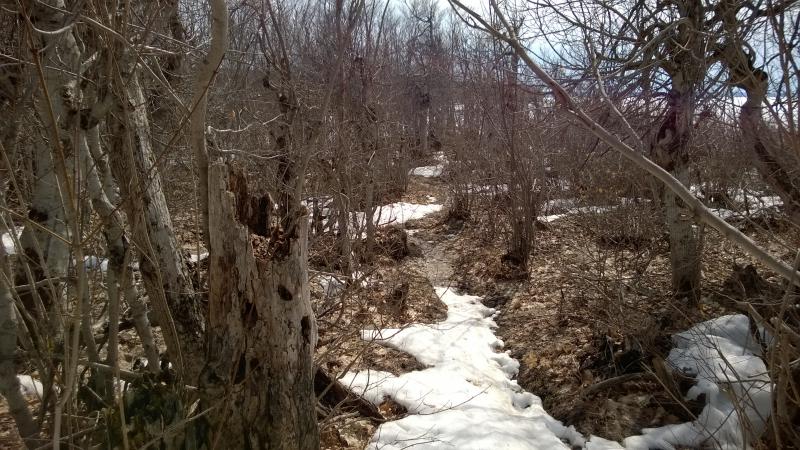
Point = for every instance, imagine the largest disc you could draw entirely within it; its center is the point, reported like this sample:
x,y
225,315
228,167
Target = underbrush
x,y
591,322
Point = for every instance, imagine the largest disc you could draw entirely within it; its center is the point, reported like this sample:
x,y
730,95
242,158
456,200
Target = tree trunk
x,y
205,74
119,274
369,209
261,328
670,150
9,383
783,180
423,108
45,243
164,273
684,245
344,248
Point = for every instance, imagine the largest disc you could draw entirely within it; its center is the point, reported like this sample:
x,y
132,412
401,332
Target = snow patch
x,y
394,213
401,212
724,358
92,262
486,189
466,399
30,386
571,211
427,171
330,284
195,257
8,240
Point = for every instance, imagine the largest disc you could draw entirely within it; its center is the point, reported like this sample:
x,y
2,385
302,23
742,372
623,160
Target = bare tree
x,y
696,207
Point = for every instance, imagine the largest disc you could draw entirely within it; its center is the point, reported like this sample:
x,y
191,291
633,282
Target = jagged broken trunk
x,y
258,377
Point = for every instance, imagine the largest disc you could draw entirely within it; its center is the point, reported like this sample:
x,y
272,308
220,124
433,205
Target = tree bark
x,y
670,150
9,383
164,273
119,280
344,248
45,242
684,246
261,328
423,108
205,74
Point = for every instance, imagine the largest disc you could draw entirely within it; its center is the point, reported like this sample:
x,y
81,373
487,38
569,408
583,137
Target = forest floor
x,y
576,324
592,307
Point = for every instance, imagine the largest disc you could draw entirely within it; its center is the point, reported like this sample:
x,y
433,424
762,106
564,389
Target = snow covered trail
x,y
466,399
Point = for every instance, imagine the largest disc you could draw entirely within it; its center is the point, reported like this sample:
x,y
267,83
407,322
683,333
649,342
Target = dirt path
x,y
437,255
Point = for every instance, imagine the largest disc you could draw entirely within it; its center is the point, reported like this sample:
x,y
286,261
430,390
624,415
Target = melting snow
x,y
91,262
330,284
756,207
571,211
401,212
8,241
197,257
427,171
30,386
466,399
393,213
723,357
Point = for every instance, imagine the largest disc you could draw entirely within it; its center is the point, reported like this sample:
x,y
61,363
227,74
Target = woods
x,y
383,223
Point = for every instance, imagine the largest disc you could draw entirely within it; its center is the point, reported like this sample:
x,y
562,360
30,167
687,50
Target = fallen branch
x,y
605,384
334,394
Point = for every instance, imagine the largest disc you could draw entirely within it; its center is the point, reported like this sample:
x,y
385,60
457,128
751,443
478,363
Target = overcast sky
x,y
477,5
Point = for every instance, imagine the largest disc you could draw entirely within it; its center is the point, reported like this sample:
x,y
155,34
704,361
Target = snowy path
x,y
466,399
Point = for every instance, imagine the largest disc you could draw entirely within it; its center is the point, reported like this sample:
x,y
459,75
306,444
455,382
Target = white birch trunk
x,y
45,242
164,274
